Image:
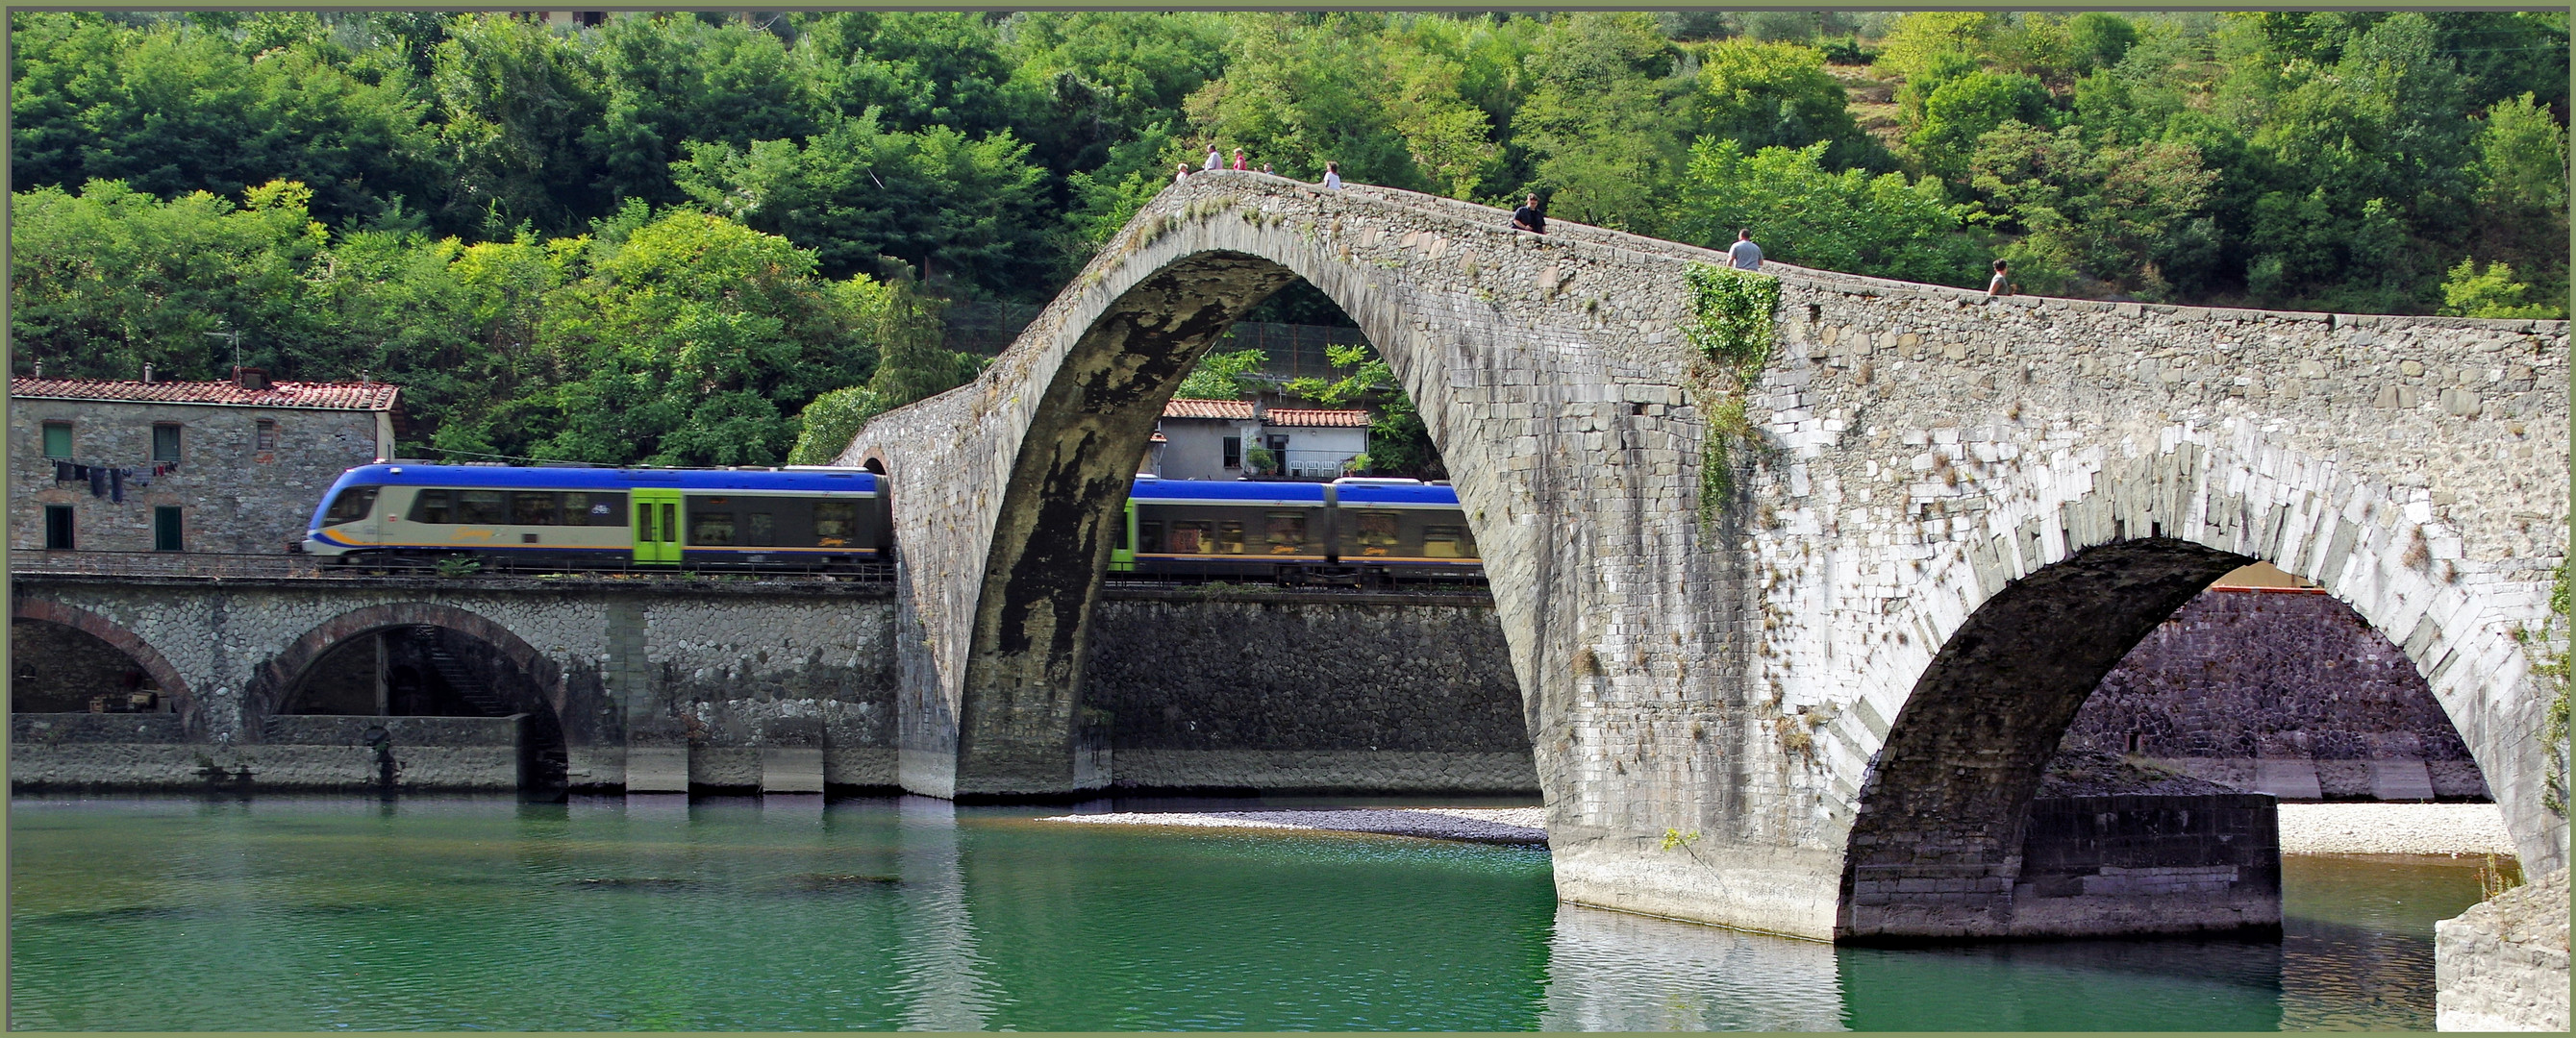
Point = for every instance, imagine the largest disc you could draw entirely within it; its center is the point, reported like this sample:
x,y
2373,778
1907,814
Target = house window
x,y
165,442
264,439
1234,452
58,439
165,528
58,527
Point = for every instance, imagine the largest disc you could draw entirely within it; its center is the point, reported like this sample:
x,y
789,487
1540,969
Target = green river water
x,y
297,914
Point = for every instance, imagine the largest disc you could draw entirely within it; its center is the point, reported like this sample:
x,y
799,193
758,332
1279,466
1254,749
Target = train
x,y
1356,530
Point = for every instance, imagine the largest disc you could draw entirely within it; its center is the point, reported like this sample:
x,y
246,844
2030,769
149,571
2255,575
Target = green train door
x,y
1122,557
657,527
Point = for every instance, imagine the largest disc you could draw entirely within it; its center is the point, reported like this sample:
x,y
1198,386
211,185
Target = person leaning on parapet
x,y
1180,172
1744,255
1240,164
1528,218
1214,160
2000,286
1332,176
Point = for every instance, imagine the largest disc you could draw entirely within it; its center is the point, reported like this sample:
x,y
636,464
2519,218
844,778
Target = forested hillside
x,y
662,237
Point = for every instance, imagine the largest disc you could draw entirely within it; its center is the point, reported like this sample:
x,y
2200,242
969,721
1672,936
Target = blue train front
x,y
418,515
421,514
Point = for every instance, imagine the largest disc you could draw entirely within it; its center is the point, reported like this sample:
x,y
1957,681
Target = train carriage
x,y
1373,529
417,514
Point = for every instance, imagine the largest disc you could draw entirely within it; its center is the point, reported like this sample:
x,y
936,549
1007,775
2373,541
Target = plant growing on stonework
x,y
452,568
1732,327
2551,666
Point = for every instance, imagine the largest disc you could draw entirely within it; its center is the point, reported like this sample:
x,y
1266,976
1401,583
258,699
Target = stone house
x,y
1229,439
228,467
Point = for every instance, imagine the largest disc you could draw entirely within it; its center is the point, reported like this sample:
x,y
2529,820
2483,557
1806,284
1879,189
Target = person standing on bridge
x,y
1999,286
1744,255
1180,172
1215,161
1332,176
1240,164
1528,218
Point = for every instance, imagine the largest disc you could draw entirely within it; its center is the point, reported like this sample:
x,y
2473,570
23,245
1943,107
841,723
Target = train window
x,y
481,507
431,507
760,529
836,523
1447,542
535,508
711,528
1191,539
1287,533
586,509
1376,532
352,505
1229,538
1149,538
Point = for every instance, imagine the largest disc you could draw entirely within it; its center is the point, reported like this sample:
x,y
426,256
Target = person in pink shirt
x,y
1239,163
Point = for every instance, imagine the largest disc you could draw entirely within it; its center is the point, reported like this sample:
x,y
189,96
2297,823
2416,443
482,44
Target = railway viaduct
x,y
1821,706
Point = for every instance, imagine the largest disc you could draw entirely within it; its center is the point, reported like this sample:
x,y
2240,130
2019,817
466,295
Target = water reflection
x,y
941,976
1608,971
744,914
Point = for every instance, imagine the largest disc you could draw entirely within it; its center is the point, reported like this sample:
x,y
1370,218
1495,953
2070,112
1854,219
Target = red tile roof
x,y
1241,411
1182,407
1316,419
324,396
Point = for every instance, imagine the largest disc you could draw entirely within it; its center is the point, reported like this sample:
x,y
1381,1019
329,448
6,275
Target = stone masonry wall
x,y
2502,965
1285,692
234,498
2295,680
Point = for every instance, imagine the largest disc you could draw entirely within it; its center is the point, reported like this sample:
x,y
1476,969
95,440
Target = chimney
x,y
250,378
40,369
147,373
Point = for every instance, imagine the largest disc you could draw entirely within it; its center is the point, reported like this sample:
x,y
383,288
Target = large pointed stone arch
x,y
1707,692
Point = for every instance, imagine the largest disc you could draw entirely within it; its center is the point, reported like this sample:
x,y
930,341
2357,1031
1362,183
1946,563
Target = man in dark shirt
x,y
1527,217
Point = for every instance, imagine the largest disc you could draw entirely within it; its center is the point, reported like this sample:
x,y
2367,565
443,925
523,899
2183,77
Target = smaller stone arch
x,y
271,682
182,696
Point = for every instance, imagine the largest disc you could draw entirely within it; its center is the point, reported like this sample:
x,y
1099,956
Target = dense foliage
x,y
665,236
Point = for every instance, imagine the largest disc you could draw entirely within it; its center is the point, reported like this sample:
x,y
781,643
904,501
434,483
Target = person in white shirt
x,y
1214,161
1744,255
1180,172
1332,176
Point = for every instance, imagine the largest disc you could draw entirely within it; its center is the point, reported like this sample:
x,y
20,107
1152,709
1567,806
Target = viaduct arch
x,y
167,677
275,678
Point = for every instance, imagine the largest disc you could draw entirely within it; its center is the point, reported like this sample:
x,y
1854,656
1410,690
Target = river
x,y
455,913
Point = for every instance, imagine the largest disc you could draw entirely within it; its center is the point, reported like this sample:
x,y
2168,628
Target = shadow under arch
x,y
1058,519
275,682
156,666
1946,802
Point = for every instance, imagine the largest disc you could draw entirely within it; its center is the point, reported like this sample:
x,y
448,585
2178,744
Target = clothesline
x,y
109,481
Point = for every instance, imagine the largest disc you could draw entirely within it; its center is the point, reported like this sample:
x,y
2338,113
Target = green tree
x,y
1399,444
2119,215
171,109
669,80
1219,376
110,279
1765,95
964,210
1605,119
2470,292
1965,108
518,100
1848,221
911,366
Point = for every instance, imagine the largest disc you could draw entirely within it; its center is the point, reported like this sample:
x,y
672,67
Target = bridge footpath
x,y
1798,671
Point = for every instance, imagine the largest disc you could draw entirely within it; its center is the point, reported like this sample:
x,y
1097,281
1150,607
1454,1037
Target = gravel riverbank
x,y
2455,829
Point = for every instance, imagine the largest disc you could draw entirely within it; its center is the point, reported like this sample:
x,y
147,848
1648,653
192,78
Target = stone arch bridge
x,y
1822,709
